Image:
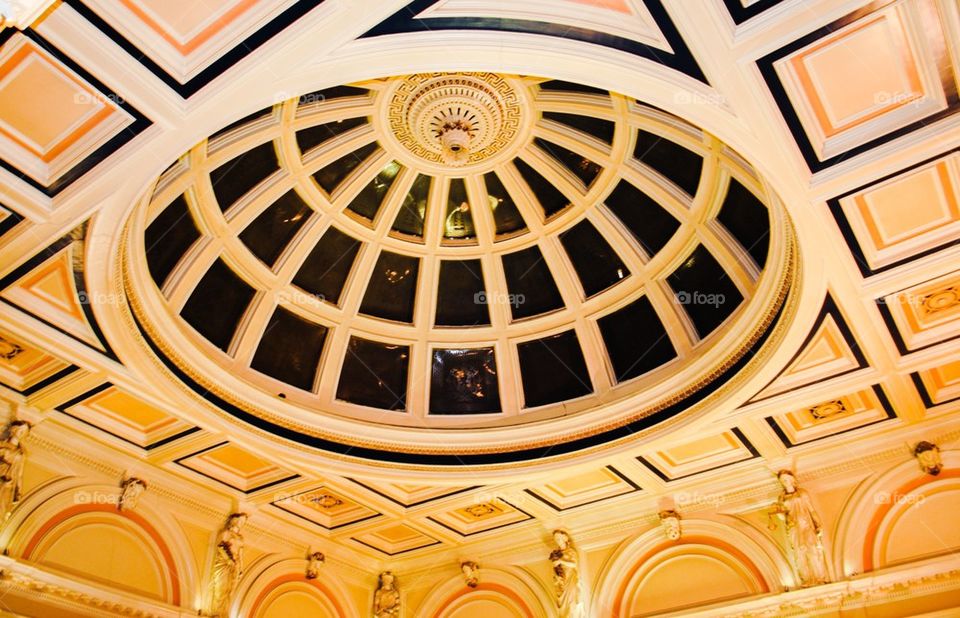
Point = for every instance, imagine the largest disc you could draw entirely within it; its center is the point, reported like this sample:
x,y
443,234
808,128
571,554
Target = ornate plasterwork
x,y
827,409
765,313
9,350
21,13
866,591
27,579
485,107
941,300
830,251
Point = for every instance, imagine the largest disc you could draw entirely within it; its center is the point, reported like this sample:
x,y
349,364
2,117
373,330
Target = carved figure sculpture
x,y
566,576
670,523
795,509
130,491
928,454
386,600
227,564
314,561
471,573
12,457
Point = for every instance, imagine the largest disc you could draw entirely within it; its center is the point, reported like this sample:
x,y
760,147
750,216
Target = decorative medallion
x,y
455,119
941,300
828,409
326,501
9,350
484,509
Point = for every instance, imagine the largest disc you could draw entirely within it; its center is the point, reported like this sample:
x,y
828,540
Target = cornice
x,y
27,579
896,584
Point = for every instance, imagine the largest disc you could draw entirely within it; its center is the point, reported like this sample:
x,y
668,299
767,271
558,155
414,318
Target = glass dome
x,y
459,251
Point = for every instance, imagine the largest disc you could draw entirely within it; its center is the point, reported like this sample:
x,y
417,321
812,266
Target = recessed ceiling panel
x,y
367,203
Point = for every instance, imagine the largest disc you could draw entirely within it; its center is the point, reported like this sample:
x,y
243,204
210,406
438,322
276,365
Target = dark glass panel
x,y
334,173
458,222
235,178
747,219
678,164
217,304
270,233
705,290
374,374
461,294
414,208
584,169
531,286
325,270
551,199
647,220
601,129
506,217
464,382
560,85
249,118
168,237
552,369
290,349
597,264
635,339
312,137
392,288
368,201
328,94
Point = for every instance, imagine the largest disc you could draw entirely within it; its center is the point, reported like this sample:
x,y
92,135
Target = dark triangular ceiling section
x,y
423,16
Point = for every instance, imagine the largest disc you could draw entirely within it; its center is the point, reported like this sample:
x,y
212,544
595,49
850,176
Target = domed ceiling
x,y
458,268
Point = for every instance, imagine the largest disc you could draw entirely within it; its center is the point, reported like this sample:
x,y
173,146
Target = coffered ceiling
x,y
837,117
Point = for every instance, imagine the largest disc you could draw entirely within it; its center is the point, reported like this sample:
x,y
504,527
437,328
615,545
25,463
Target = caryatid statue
x,y
386,600
12,458
566,577
804,532
227,565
